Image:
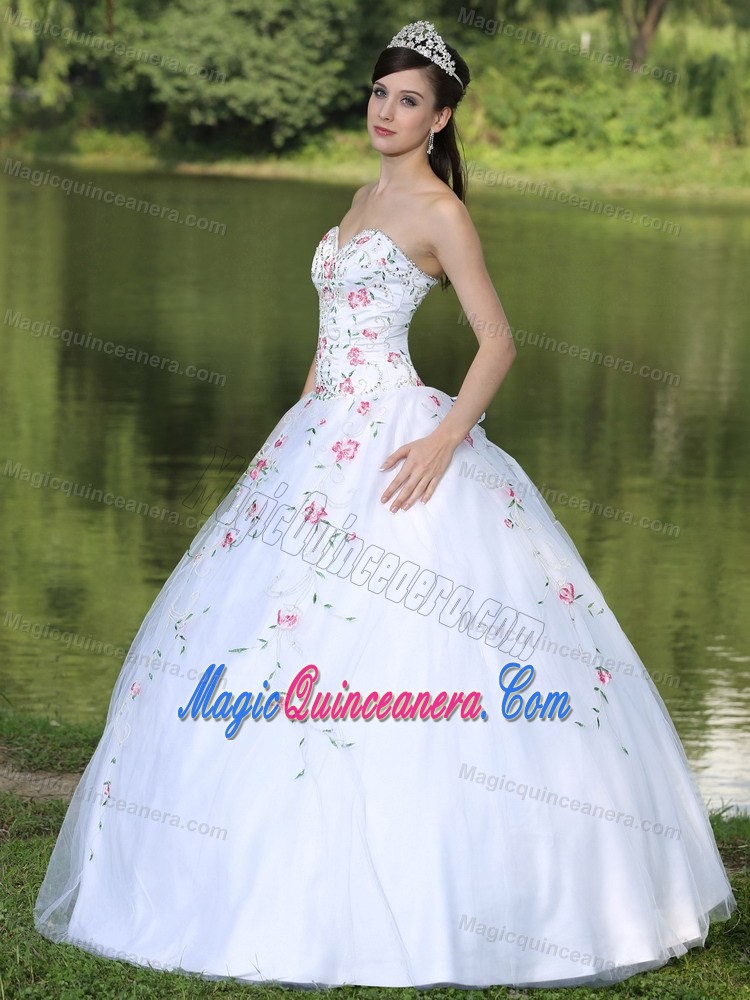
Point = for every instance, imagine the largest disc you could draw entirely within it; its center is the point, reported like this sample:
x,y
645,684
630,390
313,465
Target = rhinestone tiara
x,y
422,37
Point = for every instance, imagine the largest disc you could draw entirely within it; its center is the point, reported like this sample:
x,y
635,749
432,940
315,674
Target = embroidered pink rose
x,y
393,357
364,406
314,512
288,620
107,786
508,523
228,538
321,422
328,267
346,386
135,689
469,439
370,334
351,536
509,491
604,675
279,441
250,512
345,450
435,400
262,463
358,298
354,355
567,593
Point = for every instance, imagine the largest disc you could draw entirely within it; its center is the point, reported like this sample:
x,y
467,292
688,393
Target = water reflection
x,y
242,305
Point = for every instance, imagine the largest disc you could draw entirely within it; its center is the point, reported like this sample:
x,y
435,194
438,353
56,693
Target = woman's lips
x,y
383,131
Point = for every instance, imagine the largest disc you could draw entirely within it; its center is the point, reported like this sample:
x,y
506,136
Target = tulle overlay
x,y
413,851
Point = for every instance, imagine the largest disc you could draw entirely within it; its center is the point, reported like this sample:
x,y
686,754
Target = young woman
x,y
379,726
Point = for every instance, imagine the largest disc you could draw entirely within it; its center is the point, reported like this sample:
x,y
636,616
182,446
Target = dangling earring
x,y
430,143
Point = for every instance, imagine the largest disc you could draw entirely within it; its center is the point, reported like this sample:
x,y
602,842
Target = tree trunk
x,y
641,30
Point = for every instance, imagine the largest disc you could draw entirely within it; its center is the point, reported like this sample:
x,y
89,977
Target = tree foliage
x,y
266,76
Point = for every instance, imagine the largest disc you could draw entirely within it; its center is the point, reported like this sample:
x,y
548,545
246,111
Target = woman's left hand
x,y
425,461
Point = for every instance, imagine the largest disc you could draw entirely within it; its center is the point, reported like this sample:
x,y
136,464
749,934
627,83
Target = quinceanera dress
x,y
317,767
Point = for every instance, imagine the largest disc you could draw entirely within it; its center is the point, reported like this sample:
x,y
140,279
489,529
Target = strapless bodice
x,y
368,291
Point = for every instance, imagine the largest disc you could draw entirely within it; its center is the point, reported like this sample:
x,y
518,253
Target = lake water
x,y
668,445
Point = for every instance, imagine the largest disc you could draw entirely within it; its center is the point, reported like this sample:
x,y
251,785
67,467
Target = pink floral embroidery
x,y
320,422
604,675
228,539
358,298
351,536
135,689
314,512
278,443
469,439
435,400
508,523
286,621
340,274
345,450
262,463
250,512
364,406
510,492
107,786
567,593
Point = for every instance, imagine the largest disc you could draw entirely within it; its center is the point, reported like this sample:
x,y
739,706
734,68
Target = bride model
x,y
380,727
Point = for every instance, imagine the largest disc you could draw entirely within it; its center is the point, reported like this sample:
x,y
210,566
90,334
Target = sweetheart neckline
x,y
371,229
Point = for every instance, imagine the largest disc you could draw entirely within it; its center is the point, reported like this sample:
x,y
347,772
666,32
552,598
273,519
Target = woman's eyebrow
x,y
403,91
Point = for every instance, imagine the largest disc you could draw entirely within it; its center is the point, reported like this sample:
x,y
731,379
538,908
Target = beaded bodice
x,y
368,292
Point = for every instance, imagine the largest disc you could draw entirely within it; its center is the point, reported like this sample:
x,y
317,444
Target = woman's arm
x,y
455,243
459,250
310,380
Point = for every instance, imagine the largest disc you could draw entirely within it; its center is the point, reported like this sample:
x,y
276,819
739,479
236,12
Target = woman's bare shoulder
x,y
446,214
362,192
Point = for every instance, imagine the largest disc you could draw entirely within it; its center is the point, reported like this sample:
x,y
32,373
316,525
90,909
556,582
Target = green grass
x,y
33,967
37,744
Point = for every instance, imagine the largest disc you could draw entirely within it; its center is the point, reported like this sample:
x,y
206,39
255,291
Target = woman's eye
x,y
379,90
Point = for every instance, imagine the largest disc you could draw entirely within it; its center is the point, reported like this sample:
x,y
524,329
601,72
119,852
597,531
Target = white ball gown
x,y
317,767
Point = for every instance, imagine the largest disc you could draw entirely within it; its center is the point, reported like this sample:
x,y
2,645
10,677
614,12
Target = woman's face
x,y
400,112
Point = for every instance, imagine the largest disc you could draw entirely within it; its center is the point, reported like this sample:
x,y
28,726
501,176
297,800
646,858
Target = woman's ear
x,y
442,119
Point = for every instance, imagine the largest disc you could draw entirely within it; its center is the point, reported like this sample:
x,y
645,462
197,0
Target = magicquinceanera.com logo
x,y
293,703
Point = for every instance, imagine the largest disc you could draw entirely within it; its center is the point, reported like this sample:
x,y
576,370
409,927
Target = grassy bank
x,y
701,170
32,967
